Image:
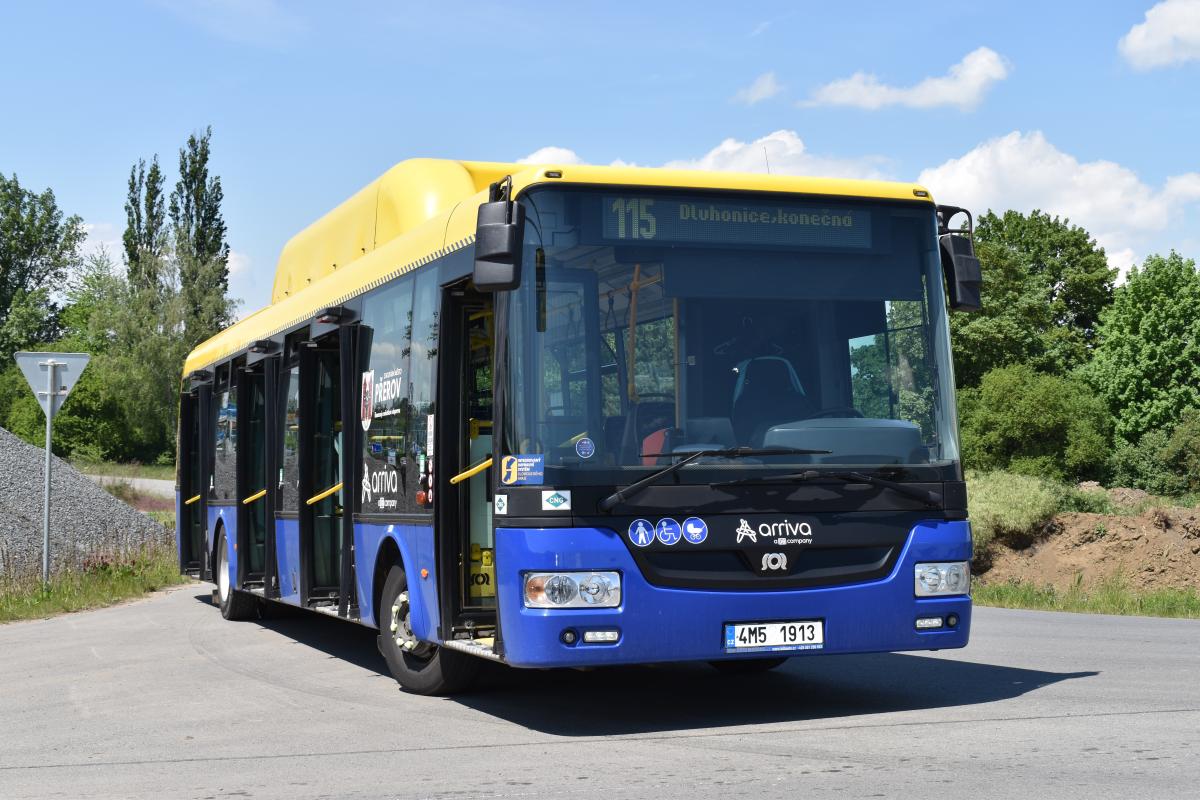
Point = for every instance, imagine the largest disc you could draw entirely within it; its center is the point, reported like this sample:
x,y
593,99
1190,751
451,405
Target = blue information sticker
x,y
668,531
641,532
523,470
585,448
695,530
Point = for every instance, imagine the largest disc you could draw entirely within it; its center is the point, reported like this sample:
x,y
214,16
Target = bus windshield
x,y
651,324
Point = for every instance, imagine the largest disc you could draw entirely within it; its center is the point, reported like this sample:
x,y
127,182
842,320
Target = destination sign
x,y
695,221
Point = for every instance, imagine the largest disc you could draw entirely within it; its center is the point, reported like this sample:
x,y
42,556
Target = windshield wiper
x,y
929,498
608,503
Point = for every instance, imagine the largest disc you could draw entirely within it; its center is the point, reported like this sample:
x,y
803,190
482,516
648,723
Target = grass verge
x,y
1111,596
101,583
163,472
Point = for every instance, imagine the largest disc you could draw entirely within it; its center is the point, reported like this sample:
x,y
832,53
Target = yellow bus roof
x,y
422,209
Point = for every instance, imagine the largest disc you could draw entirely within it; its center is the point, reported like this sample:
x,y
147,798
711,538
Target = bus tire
x,y
747,666
419,667
234,605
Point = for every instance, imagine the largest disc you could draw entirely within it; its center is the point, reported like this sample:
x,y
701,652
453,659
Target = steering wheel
x,y
836,412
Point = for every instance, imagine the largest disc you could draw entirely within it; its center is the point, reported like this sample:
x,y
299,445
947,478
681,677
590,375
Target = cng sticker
x,y
555,500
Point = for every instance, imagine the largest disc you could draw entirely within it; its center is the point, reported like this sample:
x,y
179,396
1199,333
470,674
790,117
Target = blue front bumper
x,y
667,624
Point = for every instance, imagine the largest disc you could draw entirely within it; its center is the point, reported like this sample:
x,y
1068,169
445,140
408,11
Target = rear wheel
x,y
234,605
419,667
746,666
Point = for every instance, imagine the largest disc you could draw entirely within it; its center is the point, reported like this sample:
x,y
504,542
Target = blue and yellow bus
x,y
569,416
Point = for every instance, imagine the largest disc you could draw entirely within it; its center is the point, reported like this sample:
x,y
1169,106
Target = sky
x,y
1086,110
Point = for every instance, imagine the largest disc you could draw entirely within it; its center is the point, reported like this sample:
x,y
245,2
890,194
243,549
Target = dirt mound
x,y
1156,549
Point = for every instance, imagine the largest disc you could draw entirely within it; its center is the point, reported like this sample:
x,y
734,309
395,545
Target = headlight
x,y
952,577
572,589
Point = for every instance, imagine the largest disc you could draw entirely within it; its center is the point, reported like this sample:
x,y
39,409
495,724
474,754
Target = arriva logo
x,y
744,531
774,561
785,528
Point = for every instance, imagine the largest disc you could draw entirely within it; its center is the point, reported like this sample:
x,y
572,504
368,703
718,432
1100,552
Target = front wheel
x,y
746,666
419,667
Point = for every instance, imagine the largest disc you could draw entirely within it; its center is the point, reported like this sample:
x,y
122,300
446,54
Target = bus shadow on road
x,y
673,697
628,700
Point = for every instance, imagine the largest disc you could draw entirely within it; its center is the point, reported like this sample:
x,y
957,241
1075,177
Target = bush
x,y
1181,454
1164,462
1034,424
1087,501
1009,508
1142,465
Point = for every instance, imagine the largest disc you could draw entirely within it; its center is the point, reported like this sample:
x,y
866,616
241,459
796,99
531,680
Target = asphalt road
x,y
163,699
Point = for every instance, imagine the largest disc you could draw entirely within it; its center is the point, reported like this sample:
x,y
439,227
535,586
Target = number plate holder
x,y
774,637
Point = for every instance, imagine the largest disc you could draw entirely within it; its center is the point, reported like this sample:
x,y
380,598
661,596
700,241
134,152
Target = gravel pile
x,y
85,521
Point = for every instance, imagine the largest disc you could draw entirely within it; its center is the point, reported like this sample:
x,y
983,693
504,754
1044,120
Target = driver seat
x,y
768,391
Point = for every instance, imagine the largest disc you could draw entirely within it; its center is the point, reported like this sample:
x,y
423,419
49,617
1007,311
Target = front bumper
x,y
659,624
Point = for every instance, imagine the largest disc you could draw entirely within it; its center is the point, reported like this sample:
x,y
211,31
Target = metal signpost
x,y
51,376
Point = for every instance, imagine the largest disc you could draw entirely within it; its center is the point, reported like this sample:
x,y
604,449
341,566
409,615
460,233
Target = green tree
x,y
201,250
37,247
124,406
30,319
1036,424
1147,360
145,236
1045,284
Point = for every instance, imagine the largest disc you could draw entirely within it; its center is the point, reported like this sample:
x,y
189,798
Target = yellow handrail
x,y
191,500
319,497
472,471
259,495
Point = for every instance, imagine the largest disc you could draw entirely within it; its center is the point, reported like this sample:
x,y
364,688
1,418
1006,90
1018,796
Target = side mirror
x,y
498,240
959,264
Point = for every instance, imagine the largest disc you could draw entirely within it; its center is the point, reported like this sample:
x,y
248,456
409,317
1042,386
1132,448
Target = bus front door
x,y
466,539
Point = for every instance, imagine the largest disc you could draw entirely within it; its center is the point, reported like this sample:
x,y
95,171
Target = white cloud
x,y
784,149
760,29
764,87
964,86
1024,171
239,262
551,155
788,155
1169,36
103,236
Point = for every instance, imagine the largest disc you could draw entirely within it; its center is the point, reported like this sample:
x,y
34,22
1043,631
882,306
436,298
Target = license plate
x,y
744,637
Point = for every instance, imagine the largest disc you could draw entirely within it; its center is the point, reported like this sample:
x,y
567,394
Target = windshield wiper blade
x,y
929,498
608,503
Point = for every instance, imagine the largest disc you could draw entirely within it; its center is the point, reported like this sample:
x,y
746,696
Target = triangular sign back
x,y
67,369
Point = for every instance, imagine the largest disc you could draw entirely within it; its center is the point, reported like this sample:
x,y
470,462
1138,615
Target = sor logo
x,y
774,562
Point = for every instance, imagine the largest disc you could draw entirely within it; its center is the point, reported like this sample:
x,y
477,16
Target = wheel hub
x,y
401,627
